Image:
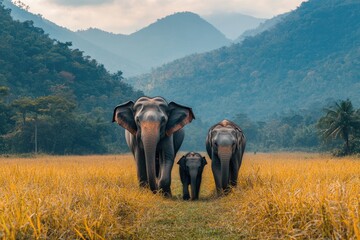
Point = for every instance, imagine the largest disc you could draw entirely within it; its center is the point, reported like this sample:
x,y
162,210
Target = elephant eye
x,y
137,119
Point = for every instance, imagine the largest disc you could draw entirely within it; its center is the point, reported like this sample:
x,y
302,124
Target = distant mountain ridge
x,y
233,24
34,65
263,26
309,58
112,62
169,38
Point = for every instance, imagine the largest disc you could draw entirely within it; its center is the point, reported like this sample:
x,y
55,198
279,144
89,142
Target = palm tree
x,y
341,120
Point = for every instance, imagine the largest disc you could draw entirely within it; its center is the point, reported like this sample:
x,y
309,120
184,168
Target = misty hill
x,y
165,40
263,26
66,96
307,59
112,62
33,65
233,24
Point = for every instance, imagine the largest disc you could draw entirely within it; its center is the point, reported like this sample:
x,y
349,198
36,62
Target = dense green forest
x,y
55,94
311,57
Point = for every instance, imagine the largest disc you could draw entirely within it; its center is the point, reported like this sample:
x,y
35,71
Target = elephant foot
x,y
167,194
144,184
233,183
226,191
186,197
223,192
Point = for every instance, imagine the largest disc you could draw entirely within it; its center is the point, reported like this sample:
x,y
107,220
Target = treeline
x,y
54,97
294,131
48,124
335,129
54,124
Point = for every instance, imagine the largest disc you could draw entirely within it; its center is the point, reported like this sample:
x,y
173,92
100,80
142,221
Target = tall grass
x,y
279,196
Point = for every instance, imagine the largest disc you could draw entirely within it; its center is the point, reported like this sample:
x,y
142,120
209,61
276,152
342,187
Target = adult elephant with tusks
x,y
225,144
154,134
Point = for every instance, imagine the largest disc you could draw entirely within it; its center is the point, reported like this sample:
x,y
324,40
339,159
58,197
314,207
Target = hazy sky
x,y
127,16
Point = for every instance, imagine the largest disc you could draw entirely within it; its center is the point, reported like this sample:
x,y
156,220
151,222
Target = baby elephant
x,y
191,168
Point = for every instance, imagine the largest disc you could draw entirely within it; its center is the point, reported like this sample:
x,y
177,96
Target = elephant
x,y
225,144
191,166
154,133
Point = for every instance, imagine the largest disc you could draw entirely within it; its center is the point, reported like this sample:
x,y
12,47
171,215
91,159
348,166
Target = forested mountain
x,y
263,26
165,40
313,55
44,82
233,24
34,65
112,61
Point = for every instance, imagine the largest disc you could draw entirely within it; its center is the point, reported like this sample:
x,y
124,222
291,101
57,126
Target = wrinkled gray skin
x,y
191,168
225,144
154,134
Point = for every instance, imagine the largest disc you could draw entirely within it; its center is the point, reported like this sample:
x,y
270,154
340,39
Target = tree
x,y
340,121
24,106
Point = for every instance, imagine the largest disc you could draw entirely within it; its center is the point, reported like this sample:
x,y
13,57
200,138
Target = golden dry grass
x,y
280,196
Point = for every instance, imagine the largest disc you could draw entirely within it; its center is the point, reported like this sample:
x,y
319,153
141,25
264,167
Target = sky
x,y
128,16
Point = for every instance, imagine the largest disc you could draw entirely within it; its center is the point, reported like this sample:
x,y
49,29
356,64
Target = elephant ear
x,y
203,161
209,142
182,162
241,139
124,116
243,143
179,116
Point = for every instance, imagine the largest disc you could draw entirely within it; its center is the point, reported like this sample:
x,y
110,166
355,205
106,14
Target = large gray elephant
x,y
225,144
154,134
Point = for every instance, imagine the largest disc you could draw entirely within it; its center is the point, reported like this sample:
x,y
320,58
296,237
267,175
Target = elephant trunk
x,y
193,177
150,139
224,154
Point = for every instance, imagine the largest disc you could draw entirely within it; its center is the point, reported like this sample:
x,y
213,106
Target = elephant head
x,y
150,120
224,143
191,167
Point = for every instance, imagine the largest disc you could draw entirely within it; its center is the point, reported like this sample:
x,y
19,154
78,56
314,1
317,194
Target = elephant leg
x,y
139,159
141,168
178,138
198,183
185,183
165,177
186,194
234,171
166,158
216,169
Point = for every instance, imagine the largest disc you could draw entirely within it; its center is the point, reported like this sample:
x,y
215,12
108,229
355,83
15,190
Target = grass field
x,y
280,196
